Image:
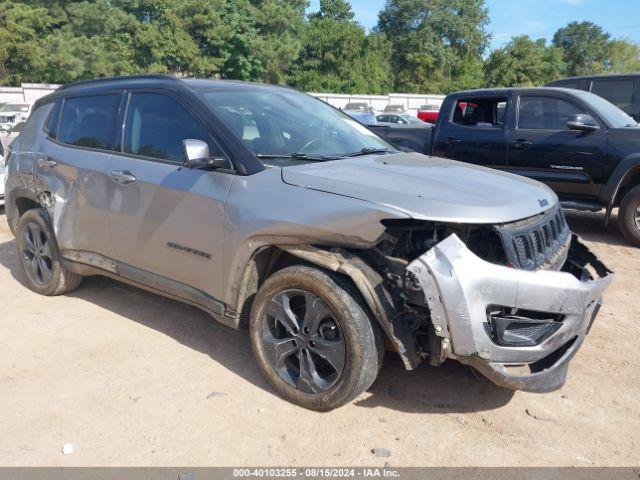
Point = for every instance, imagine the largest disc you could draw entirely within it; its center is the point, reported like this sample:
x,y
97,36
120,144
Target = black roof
x,y
148,81
591,77
486,92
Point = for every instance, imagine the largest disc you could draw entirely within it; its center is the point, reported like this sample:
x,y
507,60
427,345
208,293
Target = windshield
x,y
14,107
612,114
283,122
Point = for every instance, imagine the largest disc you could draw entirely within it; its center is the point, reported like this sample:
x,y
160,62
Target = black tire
x,y
336,315
39,256
629,216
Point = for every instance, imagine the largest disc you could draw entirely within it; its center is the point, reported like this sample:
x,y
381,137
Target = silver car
x,y
276,213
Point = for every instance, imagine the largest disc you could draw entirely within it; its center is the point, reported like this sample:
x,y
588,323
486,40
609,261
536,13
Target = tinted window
x,y
545,113
566,84
618,92
156,126
52,122
479,112
89,121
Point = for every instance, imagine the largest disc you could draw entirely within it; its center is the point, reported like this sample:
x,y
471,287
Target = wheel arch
x,y
18,202
358,273
624,177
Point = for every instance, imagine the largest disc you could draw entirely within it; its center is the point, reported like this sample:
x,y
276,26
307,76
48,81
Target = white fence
x,y
26,93
410,101
30,92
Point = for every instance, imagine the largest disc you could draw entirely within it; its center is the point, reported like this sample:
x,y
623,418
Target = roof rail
x,y
150,76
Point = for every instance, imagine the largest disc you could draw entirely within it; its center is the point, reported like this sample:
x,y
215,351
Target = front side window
x,y
618,92
89,121
283,122
156,126
545,113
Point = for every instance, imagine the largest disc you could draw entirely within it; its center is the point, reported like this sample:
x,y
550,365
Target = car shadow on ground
x,y
590,226
450,388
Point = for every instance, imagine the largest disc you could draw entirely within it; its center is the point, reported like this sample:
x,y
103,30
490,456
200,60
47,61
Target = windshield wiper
x,y
369,151
299,156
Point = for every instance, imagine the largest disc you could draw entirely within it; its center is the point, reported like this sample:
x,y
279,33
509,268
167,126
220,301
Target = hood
x,y
427,188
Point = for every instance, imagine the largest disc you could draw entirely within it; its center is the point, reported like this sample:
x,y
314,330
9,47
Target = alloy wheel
x,y
636,217
303,341
36,254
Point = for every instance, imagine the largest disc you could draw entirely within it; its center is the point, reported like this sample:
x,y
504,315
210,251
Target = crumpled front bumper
x,y
460,287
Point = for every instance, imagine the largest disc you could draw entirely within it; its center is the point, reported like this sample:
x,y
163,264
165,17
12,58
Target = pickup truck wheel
x,y
313,340
40,258
629,216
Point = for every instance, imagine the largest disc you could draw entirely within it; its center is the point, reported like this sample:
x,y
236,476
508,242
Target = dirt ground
x,y
130,378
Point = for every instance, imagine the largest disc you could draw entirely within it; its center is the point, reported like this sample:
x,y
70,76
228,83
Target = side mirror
x,y
196,155
582,123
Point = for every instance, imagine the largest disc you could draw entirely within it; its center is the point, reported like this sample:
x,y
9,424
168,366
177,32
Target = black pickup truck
x,y
586,149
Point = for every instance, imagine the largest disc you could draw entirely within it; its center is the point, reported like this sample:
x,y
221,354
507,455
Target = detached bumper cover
x,y
459,287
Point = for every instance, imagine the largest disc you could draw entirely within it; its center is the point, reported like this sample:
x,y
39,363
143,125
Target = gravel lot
x,y
130,378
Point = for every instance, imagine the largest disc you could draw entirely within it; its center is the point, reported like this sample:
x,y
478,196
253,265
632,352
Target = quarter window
x,y
157,125
618,92
89,121
545,113
54,117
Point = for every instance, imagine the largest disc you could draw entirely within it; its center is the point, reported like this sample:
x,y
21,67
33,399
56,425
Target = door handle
x,y
123,177
46,162
451,140
522,143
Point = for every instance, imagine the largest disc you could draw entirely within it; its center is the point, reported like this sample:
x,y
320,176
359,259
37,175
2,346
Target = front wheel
x,y
629,216
313,340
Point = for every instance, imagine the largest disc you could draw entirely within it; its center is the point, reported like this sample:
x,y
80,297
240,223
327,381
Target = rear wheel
x,y
629,216
312,339
40,258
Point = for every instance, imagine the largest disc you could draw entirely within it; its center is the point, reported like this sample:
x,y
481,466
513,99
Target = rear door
x,y
71,172
542,147
167,220
474,131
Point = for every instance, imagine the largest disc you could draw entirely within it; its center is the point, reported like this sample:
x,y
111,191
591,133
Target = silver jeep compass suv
x,y
275,212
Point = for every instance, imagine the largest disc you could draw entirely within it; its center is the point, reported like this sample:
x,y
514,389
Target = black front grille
x,y
538,242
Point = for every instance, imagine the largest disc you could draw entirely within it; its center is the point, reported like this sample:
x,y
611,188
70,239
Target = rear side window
x,y
545,113
480,112
157,125
89,121
618,92
573,85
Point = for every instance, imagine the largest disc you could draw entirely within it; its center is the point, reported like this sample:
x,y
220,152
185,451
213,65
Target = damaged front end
x,y
513,300
519,328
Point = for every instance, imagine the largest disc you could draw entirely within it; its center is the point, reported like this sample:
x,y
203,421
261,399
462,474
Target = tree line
x,y
434,46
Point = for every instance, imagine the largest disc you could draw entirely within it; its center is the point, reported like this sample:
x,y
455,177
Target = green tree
x,y
22,56
523,62
338,56
279,24
624,57
435,41
586,47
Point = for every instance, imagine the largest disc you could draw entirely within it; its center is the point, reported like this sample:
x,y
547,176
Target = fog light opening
x,y
521,328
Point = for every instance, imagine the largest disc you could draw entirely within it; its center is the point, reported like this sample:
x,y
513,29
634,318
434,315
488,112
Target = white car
x,y
5,141
13,113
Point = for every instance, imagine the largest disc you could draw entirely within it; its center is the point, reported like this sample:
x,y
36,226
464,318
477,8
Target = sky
x,y
536,18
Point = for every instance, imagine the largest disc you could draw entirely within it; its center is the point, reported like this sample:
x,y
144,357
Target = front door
x,y
167,220
542,147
